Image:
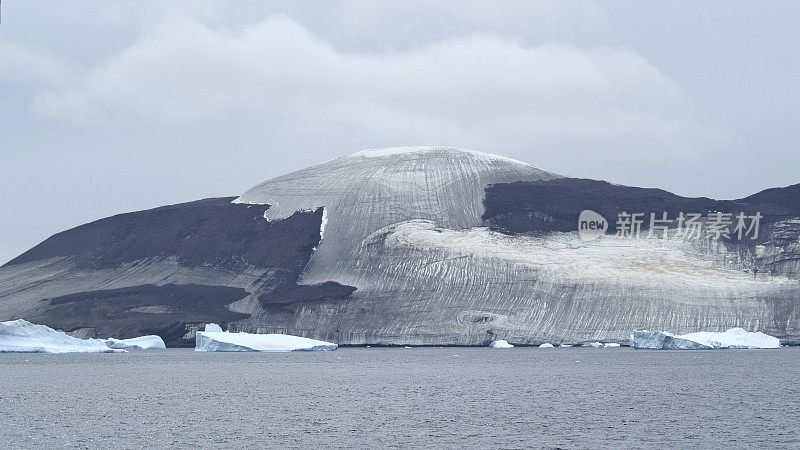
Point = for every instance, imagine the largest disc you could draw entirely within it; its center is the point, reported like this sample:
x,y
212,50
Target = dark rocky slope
x,y
205,255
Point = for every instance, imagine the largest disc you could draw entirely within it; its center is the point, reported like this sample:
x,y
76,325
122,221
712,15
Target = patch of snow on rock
x,y
324,222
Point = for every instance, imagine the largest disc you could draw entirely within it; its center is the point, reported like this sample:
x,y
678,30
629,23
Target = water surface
x,y
378,397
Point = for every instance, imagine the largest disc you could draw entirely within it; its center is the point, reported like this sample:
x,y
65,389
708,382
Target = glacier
x,y
501,343
213,339
21,336
704,340
149,342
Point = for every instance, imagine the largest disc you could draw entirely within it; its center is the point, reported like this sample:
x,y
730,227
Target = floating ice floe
x,y
593,344
500,344
611,345
213,339
21,336
546,345
704,340
565,346
149,342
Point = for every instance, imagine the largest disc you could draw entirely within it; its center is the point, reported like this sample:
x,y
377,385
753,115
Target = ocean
x,y
403,397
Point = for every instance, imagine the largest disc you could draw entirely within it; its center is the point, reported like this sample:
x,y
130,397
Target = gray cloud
x,y
195,99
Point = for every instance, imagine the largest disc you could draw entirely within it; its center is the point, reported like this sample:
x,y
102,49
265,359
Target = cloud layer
x,y
149,104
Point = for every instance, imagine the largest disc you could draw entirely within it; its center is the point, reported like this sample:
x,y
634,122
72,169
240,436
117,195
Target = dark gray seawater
x,y
379,397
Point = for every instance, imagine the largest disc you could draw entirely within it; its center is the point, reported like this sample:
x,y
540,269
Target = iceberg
x,y
593,344
610,345
21,336
213,339
546,345
212,327
565,346
149,342
500,344
704,340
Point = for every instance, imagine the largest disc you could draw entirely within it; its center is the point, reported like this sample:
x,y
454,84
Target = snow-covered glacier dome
x,y
371,189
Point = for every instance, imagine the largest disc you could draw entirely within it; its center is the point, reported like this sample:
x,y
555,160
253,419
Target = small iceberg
x,y
21,336
593,344
546,345
565,346
500,344
149,342
213,339
704,340
610,345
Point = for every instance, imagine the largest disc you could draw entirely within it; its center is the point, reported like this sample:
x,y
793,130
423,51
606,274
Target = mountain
x,y
414,245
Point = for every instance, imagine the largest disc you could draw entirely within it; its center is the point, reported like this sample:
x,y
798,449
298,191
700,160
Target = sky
x,y
111,107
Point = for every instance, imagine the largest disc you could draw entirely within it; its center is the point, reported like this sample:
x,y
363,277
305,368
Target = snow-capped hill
x,y
413,246
417,151
371,189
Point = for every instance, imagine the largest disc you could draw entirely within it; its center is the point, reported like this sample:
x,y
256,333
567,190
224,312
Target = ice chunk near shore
x,y
21,336
212,327
149,342
213,339
593,344
565,346
500,344
546,345
704,340
611,345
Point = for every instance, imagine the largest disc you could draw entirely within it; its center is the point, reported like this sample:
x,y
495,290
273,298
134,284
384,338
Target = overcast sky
x,y
116,106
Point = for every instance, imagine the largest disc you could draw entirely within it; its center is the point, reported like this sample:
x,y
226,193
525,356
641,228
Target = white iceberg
x,y
546,345
500,344
611,345
593,344
704,340
213,339
21,336
213,328
149,342
565,346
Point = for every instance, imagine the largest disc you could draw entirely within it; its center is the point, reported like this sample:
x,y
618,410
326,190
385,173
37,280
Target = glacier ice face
x,y
216,340
500,344
705,340
149,342
21,336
